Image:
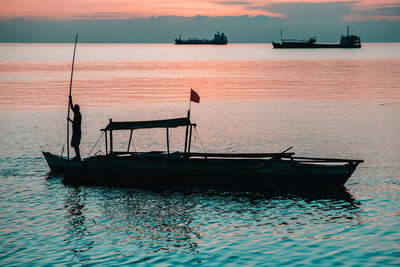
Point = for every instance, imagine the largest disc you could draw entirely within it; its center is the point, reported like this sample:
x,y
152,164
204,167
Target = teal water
x,y
253,99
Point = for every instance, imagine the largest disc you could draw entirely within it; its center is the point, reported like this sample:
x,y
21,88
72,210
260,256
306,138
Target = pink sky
x,y
114,9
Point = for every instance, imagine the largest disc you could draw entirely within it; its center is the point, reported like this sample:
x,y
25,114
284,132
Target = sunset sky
x,y
160,21
123,9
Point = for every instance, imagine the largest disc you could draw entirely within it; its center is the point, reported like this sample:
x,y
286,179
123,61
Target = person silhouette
x,y
76,129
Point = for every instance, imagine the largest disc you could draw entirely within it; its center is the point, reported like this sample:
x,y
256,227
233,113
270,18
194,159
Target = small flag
x,y
194,97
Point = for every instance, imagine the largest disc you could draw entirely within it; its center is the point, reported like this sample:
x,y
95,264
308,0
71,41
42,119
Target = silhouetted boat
x,y
219,39
349,41
162,168
158,168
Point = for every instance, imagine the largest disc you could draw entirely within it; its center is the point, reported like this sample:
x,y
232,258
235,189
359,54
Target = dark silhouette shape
x,y
204,169
349,41
219,39
76,129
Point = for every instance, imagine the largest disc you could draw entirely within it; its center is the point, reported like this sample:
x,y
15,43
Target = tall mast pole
x,y
70,89
188,116
190,102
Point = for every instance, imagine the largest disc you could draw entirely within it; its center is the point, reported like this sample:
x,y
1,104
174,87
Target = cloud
x,y
327,21
105,15
375,12
386,11
232,3
88,9
314,12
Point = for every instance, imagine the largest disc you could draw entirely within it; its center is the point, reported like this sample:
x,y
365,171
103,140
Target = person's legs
x,y
75,141
77,153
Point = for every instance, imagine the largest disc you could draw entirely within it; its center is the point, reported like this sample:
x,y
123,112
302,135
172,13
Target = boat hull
x,y
294,45
200,42
305,45
135,171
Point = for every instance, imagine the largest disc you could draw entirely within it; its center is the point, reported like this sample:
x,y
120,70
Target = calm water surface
x,y
325,103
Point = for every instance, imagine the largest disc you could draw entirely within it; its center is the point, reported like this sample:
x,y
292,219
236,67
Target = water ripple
x,y
249,106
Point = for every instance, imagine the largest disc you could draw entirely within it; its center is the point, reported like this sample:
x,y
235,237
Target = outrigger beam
x,y
242,155
329,160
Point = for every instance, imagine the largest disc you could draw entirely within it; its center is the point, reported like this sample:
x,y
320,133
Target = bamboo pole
x,y
70,91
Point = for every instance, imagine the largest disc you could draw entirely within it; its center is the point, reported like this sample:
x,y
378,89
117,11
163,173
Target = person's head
x,y
76,107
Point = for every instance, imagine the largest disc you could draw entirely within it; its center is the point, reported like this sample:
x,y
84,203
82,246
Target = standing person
x,y
76,129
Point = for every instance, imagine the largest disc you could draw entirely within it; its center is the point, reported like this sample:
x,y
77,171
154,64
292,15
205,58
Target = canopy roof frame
x,y
135,125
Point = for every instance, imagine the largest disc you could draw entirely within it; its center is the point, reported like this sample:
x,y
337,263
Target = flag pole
x,y
188,116
70,89
190,101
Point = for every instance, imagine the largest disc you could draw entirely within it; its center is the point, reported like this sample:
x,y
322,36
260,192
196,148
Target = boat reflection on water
x,y
180,219
76,227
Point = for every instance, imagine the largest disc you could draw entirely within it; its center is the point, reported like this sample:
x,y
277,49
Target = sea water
x,y
341,103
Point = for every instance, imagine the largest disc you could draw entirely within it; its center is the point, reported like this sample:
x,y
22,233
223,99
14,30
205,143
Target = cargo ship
x,y
219,39
346,41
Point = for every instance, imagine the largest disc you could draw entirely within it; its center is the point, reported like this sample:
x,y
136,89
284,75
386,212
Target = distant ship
x,y
219,39
349,41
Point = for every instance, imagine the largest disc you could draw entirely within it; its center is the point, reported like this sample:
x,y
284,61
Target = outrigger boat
x,y
163,168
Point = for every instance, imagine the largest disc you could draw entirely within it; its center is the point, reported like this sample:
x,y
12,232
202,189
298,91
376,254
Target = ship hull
x,y
198,42
294,45
304,45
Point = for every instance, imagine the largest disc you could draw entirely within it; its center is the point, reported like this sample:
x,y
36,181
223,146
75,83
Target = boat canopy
x,y
133,125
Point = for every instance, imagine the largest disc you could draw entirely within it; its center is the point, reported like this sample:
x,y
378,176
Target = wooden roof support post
x,y
186,138
190,138
168,141
130,138
105,136
111,140
187,130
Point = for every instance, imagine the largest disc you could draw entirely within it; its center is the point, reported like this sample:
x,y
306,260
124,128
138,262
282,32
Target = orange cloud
x,y
122,9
